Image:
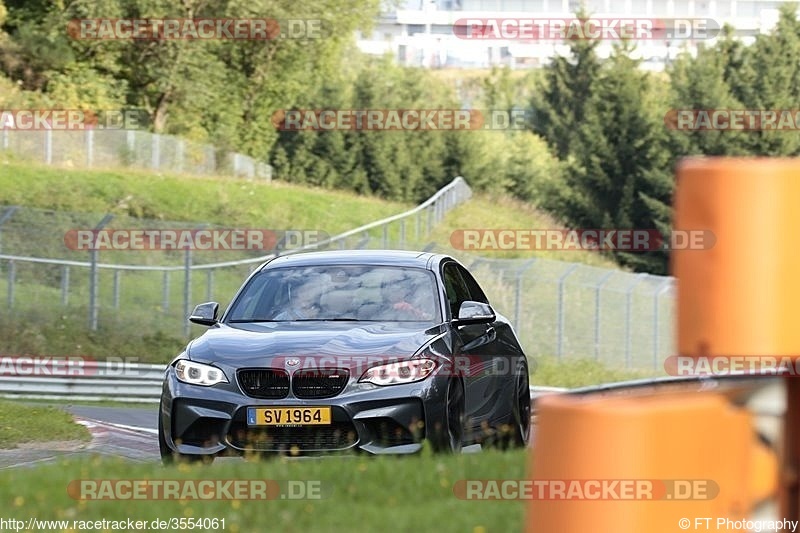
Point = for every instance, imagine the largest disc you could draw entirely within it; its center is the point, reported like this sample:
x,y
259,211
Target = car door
x,y
474,346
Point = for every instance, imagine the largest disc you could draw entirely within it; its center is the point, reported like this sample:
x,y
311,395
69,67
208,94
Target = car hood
x,y
258,344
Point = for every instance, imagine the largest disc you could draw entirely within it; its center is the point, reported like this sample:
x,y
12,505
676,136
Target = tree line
x,y
597,151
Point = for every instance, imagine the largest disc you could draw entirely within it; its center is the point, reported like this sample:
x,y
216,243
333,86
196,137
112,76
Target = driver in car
x,y
303,304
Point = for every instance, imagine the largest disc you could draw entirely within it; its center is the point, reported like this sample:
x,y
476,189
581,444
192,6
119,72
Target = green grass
x,y
359,493
20,424
501,212
572,373
232,202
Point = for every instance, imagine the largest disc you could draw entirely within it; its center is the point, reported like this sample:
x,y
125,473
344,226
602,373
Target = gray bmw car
x,y
335,351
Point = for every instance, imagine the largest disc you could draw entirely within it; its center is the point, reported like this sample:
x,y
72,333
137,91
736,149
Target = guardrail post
x,y
598,312
130,143
187,291
116,289
628,305
165,292
12,275
93,276
155,151
64,285
48,147
560,326
89,148
518,293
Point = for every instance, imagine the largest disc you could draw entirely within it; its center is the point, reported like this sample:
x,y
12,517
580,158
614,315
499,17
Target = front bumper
x,y
379,420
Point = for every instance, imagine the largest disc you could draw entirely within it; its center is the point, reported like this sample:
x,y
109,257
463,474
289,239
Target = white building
x,y
421,32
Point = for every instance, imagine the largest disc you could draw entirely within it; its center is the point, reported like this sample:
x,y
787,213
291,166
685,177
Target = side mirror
x,y
205,314
475,313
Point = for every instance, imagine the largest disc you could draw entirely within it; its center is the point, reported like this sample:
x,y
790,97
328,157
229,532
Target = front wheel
x,y
449,437
522,408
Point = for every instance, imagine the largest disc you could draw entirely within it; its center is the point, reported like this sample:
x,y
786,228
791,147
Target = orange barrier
x,y
742,296
739,297
698,453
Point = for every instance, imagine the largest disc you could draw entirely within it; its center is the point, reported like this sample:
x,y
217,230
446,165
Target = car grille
x,y
337,436
319,383
266,383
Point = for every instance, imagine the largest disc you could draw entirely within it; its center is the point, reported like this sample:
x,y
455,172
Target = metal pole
x,y
560,324
597,311
656,337
385,236
165,292
209,285
12,275
89,148
403,233
93,277
116,288
130,141
628,304
5,139
48,147
518,293
64,286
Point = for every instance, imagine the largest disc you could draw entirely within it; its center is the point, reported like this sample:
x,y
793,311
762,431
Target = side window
x,y
476,294
455,287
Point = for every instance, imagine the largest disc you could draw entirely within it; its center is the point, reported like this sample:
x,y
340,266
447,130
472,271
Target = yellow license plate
x,y
288,416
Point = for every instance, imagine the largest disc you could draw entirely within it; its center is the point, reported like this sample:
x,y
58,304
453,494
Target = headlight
x,y
198,373
398,373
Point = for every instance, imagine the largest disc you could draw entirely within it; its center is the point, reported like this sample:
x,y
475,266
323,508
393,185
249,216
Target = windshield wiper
x,y
247,320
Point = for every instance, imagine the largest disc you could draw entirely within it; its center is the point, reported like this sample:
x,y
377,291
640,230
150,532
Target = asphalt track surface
x,y
124,432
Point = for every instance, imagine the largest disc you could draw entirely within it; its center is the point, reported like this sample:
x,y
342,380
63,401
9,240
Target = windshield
x,y
367,293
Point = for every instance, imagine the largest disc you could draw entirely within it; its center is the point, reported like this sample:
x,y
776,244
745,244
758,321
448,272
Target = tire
x,y
169,457
522,409
449,439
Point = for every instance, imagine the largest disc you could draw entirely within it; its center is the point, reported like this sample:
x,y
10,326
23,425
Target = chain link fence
x,y
566,310
129,148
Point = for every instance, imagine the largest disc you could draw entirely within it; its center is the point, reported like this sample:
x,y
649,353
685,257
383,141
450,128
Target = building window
x,y
639,7
724,8
682,8
748,9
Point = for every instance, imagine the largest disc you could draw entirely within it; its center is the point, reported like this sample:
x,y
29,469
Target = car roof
x,y
353,257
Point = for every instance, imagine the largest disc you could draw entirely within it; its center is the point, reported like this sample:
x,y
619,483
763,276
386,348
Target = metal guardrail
x,y
95,381
100,381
